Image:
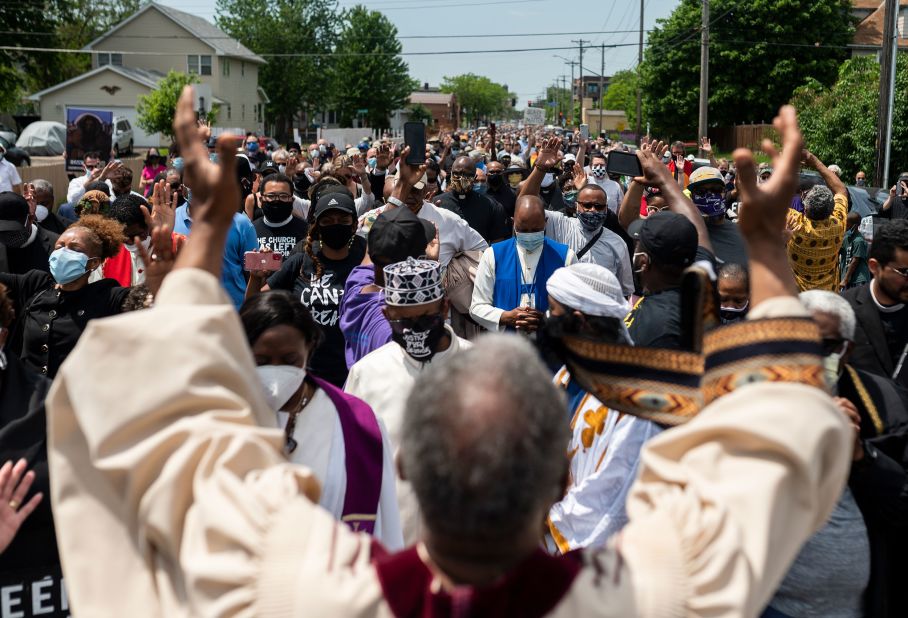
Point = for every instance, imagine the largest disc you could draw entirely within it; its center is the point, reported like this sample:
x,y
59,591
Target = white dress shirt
x,y
9,176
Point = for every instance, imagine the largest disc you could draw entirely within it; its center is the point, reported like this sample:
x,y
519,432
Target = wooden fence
x,y
54,172
741,136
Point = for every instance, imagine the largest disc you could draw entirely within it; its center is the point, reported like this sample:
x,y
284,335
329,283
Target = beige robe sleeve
x,y
723,504
169,488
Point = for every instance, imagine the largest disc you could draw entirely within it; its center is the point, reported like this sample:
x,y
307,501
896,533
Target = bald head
x,y
529,214
463,165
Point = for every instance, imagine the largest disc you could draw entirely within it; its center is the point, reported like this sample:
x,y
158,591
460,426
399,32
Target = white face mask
x,y
41,212
832,368
280,383
547,180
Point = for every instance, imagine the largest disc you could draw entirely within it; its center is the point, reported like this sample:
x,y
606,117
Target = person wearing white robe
x,y
384,378
605,445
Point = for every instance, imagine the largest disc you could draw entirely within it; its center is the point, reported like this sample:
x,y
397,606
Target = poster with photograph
x,y
87,130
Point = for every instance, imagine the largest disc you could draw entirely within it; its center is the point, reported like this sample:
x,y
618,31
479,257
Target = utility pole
x,y
704,72
580,87
887,93
639,62
601,83
561,94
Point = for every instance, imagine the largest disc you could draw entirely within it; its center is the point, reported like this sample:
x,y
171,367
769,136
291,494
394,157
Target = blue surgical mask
x,y
530,241
177,163
480,187
67,265
373,161
313,154
213,157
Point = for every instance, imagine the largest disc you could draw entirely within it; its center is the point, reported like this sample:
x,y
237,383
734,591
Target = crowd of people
x,y
504,381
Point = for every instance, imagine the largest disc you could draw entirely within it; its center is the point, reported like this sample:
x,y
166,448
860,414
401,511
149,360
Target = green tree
x,y
562,99
419,113
760,51
621,95
478,96
840,122
155,110
26,25
296,86
376,78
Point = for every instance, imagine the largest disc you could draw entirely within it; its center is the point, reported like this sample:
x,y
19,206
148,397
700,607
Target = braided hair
x,y
311,235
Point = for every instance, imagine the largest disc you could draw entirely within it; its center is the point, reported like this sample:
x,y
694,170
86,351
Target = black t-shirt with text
x,y
322,296
281,239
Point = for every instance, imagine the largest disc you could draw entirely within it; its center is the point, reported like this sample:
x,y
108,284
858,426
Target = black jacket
x,y
35,254
32,554
879,483
871,350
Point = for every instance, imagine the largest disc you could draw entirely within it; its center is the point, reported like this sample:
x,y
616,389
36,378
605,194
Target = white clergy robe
x,y
320,447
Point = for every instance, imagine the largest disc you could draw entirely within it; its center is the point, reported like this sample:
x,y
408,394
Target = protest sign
x,y
534,116
87,130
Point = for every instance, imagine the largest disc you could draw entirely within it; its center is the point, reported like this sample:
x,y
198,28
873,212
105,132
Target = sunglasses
x,y
902,272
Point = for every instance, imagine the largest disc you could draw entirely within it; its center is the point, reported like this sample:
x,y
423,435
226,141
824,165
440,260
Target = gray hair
x,y
824,301
484,440
43,185
818,203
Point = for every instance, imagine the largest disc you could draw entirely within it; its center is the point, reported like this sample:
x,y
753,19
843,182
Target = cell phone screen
x,y
415,138
585,131
623,164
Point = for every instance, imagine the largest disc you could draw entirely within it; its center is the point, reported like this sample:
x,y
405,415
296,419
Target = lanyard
x,y
530,288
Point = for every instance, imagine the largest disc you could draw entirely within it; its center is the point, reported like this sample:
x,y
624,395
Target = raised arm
x,y
546,159
832,181
655,173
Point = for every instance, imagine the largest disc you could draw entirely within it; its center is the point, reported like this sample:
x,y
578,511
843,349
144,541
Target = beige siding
x,y
88,93
141,35
239,90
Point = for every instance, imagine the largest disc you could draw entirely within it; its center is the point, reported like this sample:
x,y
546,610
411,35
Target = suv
x,y
122,136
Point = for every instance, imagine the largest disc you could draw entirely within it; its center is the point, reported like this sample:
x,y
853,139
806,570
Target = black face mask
x,y
495,181
419,337
335,236
15,240
277,211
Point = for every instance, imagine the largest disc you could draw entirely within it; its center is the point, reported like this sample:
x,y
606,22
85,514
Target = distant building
x,y
588,88
868,34
443,106
129,60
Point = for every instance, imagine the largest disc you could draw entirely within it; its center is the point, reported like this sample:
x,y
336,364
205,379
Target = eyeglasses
x,y
902,272
595,205
277,197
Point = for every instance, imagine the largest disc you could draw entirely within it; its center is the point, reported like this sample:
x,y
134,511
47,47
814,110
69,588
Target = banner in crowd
x,y
87,130
534,116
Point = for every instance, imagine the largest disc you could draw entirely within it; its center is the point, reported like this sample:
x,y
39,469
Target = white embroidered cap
x,y
413,282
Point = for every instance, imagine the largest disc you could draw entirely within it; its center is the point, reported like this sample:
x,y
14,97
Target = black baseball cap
x,y
335,201
268,167
13,212
398,234
669,237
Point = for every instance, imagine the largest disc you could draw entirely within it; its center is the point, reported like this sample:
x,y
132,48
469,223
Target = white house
x,y
130,59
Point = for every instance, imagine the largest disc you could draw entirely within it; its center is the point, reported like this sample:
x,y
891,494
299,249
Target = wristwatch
x,y
395,202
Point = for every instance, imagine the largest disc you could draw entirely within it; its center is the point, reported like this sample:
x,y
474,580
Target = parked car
x,y
122,136
16,156
8,134
43,138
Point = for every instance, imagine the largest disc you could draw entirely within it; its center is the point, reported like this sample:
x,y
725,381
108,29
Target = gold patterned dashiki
x,y
814,248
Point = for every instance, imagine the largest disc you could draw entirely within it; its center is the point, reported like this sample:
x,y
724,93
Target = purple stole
x,y
363,458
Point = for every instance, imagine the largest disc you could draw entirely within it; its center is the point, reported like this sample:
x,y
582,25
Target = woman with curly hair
x,y
318,276
53,309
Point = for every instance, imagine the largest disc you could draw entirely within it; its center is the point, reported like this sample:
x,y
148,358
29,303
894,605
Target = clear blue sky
x,y
525,73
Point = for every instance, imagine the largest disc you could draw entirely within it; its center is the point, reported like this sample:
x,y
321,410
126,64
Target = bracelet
x,y
395,202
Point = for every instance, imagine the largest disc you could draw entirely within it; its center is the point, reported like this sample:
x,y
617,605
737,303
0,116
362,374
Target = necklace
x,y
290,443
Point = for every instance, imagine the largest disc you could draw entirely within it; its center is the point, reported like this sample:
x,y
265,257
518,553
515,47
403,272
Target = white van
x,y
122,136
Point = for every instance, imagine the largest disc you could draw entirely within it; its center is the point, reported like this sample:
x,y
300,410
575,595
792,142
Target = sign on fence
x,y
534,115
87,130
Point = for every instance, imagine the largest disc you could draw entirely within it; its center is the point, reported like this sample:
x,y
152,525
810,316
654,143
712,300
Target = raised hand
x,y
706,146
161,258
163,205
655,173
215,192
548,154
409,175
359,165
383,156
13,489
109,170
579,176
292,166
764,207
28,192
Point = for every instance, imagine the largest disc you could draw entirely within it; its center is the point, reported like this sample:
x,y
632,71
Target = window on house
x,y
332,117
199,65
242,69
243,112
225,67
113,59
228,111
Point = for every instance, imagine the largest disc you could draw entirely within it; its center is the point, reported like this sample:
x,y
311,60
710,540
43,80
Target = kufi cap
x,y
413,282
